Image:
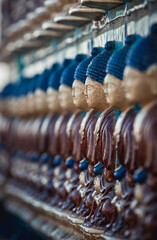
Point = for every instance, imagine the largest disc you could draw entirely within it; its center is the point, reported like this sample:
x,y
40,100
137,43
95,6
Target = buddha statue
x,y
24,145
49,144
41,88
140,82
34,133
74,138
47,136
21,98
29,135
103,161
65,99
125,115
94,95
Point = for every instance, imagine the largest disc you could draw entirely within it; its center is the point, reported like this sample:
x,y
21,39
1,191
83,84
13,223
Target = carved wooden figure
x,y
74,138
49,137
95,98
102,159
140,81
65,99
40,91
115,94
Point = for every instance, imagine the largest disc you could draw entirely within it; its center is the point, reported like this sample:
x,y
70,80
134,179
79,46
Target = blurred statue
x,y
140,82
66,102
41,105
95,98
115,94
73,132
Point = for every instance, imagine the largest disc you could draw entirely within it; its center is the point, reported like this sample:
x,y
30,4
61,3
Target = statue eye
x,y
90,89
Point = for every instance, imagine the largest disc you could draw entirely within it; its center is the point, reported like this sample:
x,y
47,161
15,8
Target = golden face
x,y
114,91
138,85
78,95
53,100
65,98
95,96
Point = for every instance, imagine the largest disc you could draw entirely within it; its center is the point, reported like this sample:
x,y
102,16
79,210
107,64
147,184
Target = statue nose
x,y
98,168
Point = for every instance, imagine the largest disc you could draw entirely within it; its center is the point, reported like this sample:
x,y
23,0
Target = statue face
x,y
23,107
65,98
95,96
138,123
40,100
140,87
11,106
114,91
53,100
31,103
78,95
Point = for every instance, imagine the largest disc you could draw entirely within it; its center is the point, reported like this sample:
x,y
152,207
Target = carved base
x,y
102,4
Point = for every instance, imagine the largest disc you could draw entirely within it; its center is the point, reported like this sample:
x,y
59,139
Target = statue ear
x,y
152,78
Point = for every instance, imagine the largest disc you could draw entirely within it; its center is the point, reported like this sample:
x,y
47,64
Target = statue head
x,y
53,87
113,87
41,88
30,94
78,87
18,104
96,73
140,79
40,92
65,89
